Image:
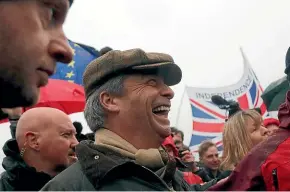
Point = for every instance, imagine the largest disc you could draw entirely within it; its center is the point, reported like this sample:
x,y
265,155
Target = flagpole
x,y
179,107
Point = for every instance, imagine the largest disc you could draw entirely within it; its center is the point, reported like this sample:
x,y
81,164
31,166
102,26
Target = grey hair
x,y
94,111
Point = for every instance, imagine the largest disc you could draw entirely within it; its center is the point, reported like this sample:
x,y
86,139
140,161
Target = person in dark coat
x,y
19,176
32,40
128,101
90,136
44,146
13,116
79,128
208,155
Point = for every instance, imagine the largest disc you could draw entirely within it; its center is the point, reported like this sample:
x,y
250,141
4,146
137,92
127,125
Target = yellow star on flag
x,y
73,50
71,64
70,74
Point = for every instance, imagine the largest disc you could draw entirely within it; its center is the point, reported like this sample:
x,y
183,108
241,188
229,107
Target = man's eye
x,y
152,82
54,12
66,135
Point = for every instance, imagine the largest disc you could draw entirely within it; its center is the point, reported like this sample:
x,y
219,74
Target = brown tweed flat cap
x,y
132,61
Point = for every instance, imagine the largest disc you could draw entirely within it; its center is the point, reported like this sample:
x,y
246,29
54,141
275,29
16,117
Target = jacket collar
x,y
97,161
102,165
209,173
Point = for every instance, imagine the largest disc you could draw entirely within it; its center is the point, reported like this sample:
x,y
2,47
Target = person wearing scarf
x,y
128,99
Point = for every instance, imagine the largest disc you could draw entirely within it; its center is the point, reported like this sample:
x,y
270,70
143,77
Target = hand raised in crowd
x,y
187,156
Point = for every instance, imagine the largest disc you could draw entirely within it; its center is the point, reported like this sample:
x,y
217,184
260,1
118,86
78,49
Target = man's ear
x,y
108,101
32,140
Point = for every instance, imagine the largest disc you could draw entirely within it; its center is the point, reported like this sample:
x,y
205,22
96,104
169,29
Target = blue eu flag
x,y
73,72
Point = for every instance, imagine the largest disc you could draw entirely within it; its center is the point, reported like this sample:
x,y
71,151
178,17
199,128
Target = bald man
x,y
44,146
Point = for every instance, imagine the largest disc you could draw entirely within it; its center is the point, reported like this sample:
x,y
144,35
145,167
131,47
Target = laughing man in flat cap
x,y
128,101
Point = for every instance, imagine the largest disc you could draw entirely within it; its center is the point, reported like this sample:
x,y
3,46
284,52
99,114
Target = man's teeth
x,y
161,108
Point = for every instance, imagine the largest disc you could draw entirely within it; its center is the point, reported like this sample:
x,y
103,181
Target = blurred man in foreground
x,y
31,42
44,146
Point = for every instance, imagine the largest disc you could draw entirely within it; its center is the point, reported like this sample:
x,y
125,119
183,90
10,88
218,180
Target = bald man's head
x,y
39,120
48,134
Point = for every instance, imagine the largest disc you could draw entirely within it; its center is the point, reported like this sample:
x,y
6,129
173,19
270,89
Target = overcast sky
x,y
203,36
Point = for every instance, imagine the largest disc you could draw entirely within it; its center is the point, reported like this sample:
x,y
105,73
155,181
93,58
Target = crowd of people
x,y
131,146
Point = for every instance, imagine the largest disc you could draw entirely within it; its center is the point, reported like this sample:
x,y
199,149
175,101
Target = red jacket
x,y
170,143
267,166
191,178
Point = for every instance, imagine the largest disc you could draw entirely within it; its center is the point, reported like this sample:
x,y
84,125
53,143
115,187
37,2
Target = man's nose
x,y
215,158
74,142
60,49
167,92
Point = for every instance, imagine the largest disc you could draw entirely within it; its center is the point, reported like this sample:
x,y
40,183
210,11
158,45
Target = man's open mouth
x,y
161,110
72,155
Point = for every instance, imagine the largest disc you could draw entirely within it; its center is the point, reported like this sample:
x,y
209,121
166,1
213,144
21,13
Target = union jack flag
x,y
208,119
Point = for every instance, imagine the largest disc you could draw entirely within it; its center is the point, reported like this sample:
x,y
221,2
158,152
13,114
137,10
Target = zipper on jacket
x,y
275,179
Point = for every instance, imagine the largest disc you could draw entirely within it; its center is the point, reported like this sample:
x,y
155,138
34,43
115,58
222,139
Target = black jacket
x,y
13,125
102,169
225,174
206,174
18,175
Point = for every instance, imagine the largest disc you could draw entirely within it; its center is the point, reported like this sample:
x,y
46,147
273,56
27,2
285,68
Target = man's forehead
x,y
62,121
68,126
178,134
211,151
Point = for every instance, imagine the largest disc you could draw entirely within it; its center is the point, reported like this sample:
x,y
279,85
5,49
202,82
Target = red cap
x,y
271,121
